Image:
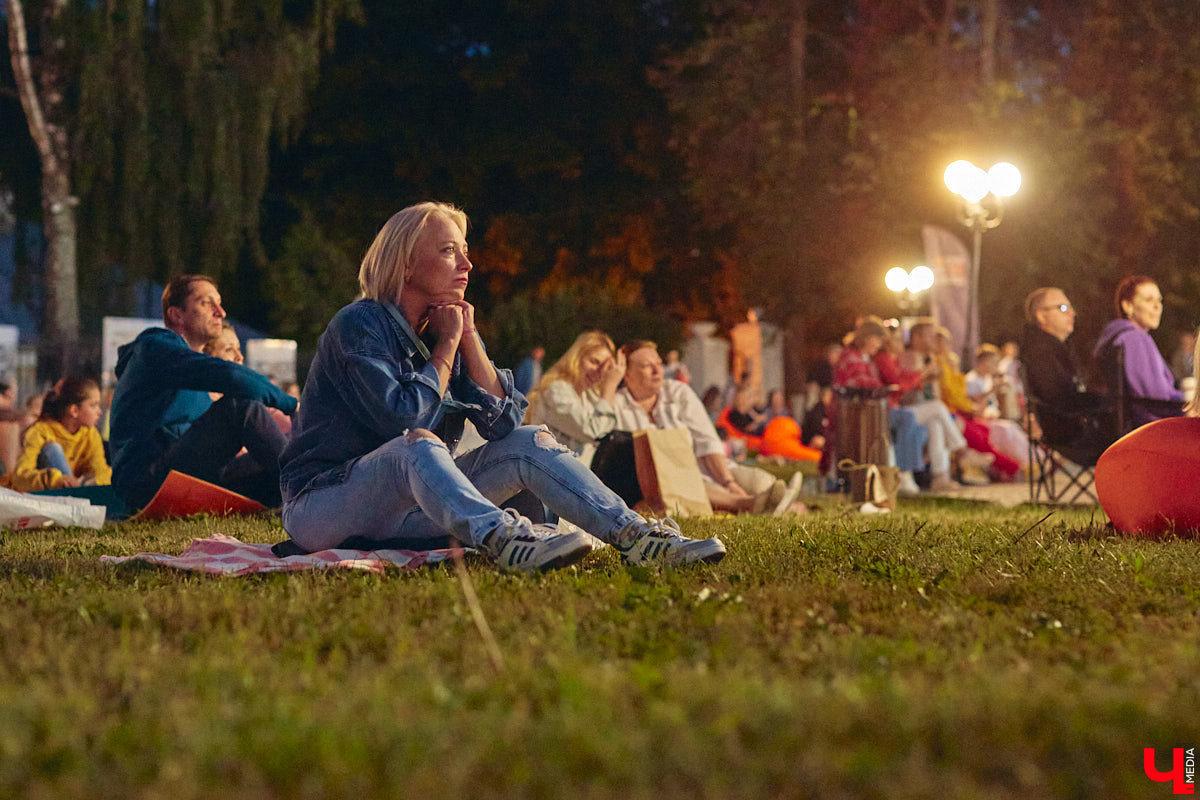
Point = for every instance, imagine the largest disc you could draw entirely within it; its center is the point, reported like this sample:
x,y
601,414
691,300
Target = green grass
x,y
949,650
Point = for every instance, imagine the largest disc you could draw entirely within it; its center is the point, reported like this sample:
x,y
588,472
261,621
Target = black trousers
x,y
209,450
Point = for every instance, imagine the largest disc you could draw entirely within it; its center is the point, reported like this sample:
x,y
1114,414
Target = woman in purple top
x,y
1147,376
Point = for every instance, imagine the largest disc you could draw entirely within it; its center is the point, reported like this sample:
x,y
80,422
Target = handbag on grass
x,y
614,464
872,483
668,473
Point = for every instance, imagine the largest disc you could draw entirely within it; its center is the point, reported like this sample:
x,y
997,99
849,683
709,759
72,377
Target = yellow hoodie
x,y
84,451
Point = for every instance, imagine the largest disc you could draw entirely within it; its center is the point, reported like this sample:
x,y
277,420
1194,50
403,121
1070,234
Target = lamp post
x,y
981,208
909,285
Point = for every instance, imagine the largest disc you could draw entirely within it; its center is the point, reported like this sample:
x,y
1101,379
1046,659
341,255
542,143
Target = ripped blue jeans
x,y
412,488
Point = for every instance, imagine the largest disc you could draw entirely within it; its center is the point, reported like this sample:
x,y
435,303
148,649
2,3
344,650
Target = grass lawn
x,y
949,650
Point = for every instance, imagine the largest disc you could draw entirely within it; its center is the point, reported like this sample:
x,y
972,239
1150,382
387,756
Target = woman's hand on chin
x,y
445,321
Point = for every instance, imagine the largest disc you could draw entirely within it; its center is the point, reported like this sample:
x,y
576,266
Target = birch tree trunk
x,y
44,112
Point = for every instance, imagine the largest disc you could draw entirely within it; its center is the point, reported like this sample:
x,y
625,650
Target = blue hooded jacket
x,y
162,388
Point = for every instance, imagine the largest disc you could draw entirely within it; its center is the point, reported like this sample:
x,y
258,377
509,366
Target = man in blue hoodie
x,y
163,418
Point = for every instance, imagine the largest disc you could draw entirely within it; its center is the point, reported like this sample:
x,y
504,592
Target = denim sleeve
x,y
388,395
494,417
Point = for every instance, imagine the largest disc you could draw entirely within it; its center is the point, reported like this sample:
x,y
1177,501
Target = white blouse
x,y
576,420
678,407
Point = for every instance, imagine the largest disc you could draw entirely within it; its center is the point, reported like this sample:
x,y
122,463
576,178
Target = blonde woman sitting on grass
x,y
574,398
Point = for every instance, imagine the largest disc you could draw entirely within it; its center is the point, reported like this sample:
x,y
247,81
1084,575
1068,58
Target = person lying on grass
x,y
63,448
396,375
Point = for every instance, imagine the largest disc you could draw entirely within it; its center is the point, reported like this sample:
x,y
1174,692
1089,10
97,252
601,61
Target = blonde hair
x,y
569,367
389,258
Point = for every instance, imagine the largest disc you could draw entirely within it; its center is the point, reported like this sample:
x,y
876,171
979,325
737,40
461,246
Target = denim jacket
x,y
369,384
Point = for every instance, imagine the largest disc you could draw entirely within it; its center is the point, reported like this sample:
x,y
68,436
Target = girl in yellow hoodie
x,y
63,448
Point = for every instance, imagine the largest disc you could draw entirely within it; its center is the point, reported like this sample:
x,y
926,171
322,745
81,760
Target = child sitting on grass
x,y
63,448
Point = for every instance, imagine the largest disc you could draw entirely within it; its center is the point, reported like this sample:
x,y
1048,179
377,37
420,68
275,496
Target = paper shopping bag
x,y
669,474
872,483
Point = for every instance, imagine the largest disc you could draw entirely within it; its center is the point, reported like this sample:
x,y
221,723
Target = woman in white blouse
x,y
574,398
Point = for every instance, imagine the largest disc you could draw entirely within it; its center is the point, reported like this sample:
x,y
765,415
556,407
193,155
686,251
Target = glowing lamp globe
x,y
957,175
896,279
920,279
1004,179
974,185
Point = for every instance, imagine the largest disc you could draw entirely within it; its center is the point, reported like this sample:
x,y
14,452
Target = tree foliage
x,y
536,118
823,171
554,320
177,106
685,156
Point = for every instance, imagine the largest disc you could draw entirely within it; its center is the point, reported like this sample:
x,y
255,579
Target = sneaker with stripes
x,y
518,545
660,542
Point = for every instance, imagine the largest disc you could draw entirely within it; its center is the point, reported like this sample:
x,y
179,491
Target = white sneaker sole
x,y
708,550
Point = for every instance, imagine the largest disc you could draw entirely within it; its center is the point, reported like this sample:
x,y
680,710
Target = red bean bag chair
x,y
1147,480
753,443
781,437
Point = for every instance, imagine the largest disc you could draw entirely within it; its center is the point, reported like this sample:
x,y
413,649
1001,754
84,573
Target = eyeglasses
x,y
1063,307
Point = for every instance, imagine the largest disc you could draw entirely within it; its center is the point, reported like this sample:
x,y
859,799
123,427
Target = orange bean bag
x,y
753,443
781,437
1147,480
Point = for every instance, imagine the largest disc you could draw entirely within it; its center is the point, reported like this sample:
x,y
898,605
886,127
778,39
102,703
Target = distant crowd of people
x,y
948,427
368,452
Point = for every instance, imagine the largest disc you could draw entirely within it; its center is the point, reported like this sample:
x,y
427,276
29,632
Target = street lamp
x,y
909,285
982,195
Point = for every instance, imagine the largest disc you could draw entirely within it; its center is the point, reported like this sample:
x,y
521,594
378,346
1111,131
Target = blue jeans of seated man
x,y
416,490
908,438
53,457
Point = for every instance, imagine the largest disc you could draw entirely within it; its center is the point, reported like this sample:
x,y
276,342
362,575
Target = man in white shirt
x,y
648,400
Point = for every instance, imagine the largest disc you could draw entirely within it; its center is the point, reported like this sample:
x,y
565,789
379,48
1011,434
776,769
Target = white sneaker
x,y
908,485
789,495
660,542
520,546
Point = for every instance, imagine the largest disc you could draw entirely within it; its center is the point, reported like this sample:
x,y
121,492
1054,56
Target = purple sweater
x,y
1146,373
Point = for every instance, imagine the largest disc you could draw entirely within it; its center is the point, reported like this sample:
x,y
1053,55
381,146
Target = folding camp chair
x,y
1112,365
1057,476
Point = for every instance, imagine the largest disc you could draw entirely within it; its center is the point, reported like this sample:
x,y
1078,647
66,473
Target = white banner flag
x,y
950,261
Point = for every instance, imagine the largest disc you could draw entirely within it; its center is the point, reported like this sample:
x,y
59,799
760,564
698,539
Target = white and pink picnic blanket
x,y
225,555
